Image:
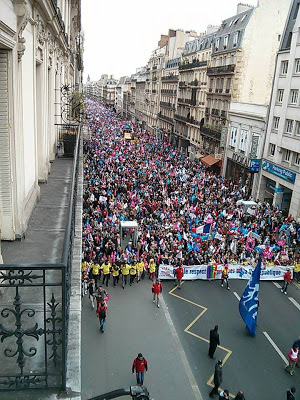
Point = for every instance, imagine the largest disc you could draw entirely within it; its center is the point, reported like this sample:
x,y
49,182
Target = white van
x,y
249,207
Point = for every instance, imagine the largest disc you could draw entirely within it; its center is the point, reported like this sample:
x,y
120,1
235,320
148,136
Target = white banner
x,y
236,271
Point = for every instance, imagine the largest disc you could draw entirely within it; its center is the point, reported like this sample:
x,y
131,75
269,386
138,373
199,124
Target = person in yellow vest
x,y
106,267
115,273
132,272
152,268
125,272
297,270
140,270
225,276
96,273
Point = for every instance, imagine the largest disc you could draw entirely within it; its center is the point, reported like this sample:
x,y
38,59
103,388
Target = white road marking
x,y
237,296
276,348
277,285
294,302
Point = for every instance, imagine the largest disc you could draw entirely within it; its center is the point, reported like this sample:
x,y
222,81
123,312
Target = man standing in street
x,y
290,394
179,271
101,311
139,365
156,290
214,341
218,375
287,279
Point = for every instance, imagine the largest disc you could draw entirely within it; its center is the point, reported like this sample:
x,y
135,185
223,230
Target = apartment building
x,y
280,173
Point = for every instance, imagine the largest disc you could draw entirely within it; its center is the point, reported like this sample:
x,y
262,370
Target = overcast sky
x,y
120,35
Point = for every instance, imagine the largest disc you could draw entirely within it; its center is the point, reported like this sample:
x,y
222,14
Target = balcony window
x,y
235,38
225,43
294,96
296,159
233,136
284,67
217,45
289,126
243,140
286,155
280,95
276,123
272,149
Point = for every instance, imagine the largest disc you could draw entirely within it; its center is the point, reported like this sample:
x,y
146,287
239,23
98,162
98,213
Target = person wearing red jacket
x,y
287,279
179,272
156,290
139,365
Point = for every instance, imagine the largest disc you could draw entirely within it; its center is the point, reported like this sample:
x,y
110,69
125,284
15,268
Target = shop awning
x,y
209,160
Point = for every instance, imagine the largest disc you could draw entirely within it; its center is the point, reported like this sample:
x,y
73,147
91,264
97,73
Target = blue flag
x,y
248,305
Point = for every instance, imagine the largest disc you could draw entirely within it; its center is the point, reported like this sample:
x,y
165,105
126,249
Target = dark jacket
x,y
218,375
290,395
214,339
239,397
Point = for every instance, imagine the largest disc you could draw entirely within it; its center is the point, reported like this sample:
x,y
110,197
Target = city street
x,y
252,365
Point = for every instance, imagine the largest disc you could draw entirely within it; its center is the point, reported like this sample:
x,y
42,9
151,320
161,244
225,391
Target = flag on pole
x,y
248,305
203,228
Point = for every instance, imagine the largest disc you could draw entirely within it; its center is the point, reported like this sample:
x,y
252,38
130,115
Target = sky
x,y
121,35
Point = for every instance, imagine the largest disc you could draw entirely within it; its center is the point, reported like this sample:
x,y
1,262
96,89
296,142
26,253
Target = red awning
x,y
209,160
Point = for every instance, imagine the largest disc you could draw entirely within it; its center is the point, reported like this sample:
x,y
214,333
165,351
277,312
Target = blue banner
x,y
279,171
248,305
254,165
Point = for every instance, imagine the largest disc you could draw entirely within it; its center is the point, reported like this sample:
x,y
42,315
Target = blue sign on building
x,y
254,165
279,171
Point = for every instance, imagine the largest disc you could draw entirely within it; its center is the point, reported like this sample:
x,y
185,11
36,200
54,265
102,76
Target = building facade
x,y
40,50
280,173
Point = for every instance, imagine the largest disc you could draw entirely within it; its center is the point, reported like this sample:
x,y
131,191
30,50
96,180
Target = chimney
x,y
211,29
241,7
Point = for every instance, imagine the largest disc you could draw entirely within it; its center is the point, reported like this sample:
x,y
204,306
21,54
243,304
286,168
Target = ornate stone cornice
x,y
22,11
41,31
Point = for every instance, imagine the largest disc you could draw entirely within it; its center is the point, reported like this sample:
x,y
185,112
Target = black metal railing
x,y
170,78
196,64
211,132
36,323
165,118
221,69
168,105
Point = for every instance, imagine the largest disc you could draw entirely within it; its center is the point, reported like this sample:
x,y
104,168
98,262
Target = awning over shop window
x,y
209,160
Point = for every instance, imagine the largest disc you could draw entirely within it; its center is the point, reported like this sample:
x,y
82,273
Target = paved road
x,y
254,365
134,324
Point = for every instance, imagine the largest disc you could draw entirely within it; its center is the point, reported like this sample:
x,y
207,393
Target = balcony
x,y
168,91
165,118
190,120
214,133
193,65
193,83
215,112
167,105
173,78
222,69
182,84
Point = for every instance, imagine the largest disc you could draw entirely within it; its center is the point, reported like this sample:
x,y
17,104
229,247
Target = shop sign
x,y
271,185
254,165
223,136
240,159
279,171
279,190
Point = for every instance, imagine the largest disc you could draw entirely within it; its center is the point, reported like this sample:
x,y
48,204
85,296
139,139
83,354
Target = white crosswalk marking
x,y
277,285
237,296
276,347
294,302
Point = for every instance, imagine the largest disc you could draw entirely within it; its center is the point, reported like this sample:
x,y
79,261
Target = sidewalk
x,y
134,324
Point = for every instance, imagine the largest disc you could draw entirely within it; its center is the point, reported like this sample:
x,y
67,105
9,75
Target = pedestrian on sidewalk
x,y
293,358
92,291
224,395
286,281
125,271
225,276
139,366
214,341
290,393
156,290
297,343
218,377
179,272
101,312
240,396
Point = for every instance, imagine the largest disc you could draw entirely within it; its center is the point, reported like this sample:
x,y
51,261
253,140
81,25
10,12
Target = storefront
x,y
237,169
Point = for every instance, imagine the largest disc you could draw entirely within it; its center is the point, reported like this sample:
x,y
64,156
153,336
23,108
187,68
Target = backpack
x,y
102,313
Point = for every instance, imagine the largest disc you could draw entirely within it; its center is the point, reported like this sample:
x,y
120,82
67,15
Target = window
x,y
296,159
294,96
243,17
276,123
235,38
280,95
217,44
289,126
284,67
286,155
243,140
297,66
233,135
272,149
297,130
225,44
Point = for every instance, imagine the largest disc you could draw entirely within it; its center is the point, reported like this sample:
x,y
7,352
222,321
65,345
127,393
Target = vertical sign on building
x,y
254,146
223,137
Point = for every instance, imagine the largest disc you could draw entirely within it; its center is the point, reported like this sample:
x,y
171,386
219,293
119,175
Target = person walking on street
x,y
293,358
214,341
297,343
125,271
139,366
156,290
179,272
240,396
225,276
96,273
218,375
287,279
132,272
290,393
140,270
115,273
92,290
101,312
152,268
224,395
106,267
